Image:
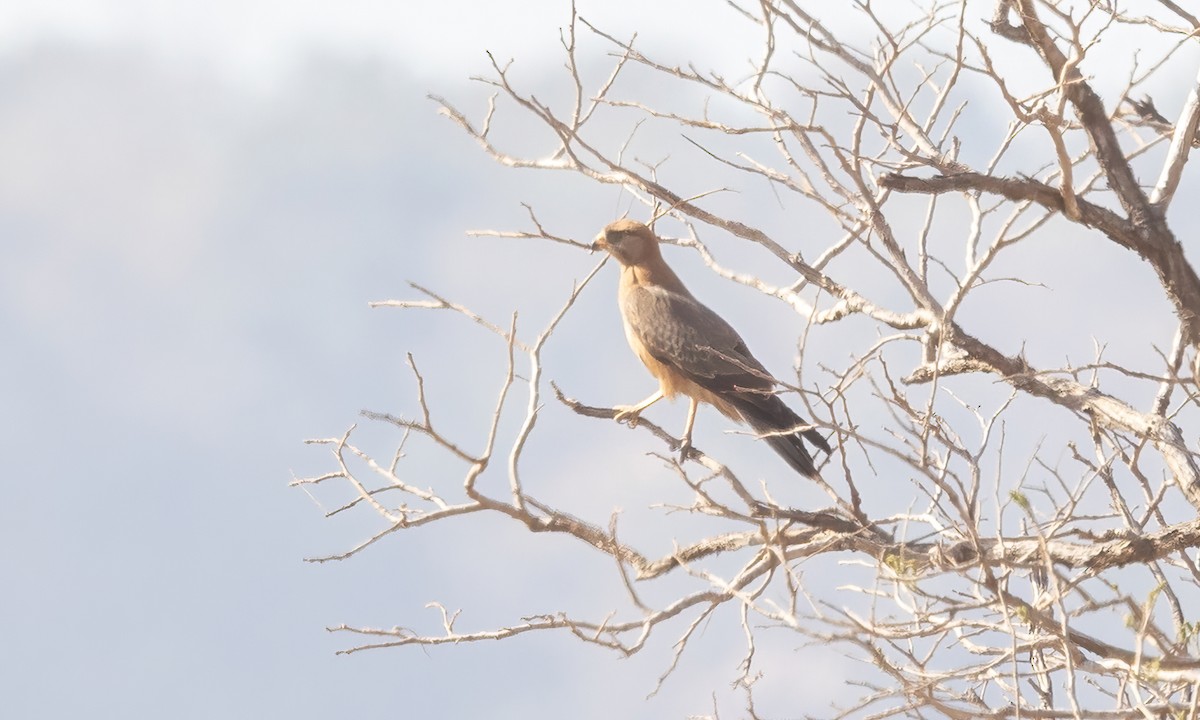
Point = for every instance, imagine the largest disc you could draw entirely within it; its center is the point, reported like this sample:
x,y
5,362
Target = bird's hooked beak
x,y
600,242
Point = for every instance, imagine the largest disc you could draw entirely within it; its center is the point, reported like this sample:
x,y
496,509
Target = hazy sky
x,y
254,42
197,201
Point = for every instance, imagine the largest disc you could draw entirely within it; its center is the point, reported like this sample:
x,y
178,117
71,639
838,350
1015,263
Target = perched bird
x,y
692,351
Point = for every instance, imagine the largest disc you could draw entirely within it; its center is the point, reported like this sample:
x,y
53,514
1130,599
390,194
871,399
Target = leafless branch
x,y
1013,530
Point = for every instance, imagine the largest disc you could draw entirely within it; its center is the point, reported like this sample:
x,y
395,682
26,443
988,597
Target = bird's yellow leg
x,y
632,412
685,443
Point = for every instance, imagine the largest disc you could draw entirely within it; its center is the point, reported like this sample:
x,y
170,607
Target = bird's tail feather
x,y
769,415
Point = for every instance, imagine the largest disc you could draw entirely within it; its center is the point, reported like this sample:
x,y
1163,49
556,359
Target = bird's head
x,y
629,241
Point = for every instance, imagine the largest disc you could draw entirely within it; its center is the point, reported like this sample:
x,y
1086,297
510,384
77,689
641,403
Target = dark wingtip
x,y
818,440
791,449
768,414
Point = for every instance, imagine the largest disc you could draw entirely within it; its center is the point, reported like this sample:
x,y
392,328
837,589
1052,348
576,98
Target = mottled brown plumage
x,y
692,351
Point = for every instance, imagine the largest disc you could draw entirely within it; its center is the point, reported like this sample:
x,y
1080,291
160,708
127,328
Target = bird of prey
x,y
692,351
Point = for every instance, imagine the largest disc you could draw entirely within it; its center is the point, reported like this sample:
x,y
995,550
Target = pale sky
x,y
197,202
254,42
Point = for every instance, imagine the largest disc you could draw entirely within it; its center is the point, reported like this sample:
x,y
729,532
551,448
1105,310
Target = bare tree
x,y
1034,554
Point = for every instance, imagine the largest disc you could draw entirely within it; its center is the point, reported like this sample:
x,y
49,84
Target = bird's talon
x,y
627,414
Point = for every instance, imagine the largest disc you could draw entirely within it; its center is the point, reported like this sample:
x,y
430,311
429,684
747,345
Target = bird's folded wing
x,y
680,332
